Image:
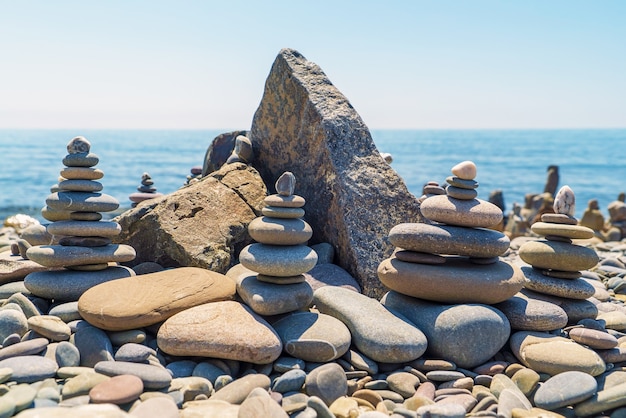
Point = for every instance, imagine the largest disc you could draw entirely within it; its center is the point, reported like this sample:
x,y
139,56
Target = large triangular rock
x,y
305,125
201,225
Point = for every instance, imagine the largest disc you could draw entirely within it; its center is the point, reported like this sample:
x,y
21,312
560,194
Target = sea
x,y
591,162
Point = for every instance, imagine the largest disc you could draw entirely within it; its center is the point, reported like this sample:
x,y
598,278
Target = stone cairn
x,y
280,256
85,240
557,262
145,191
194,176
454,258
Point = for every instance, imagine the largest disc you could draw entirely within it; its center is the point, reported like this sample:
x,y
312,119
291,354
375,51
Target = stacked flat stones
x,y
196,174
557,262
145,191
454,258
280,256
85,243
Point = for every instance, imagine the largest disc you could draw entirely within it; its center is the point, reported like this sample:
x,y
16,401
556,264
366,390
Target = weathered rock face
x,y
305,125
219,151
202,225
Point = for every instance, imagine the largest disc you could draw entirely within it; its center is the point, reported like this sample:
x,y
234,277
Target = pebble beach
x,y
473,324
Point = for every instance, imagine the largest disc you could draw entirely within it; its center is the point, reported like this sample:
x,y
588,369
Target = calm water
x,y
591,162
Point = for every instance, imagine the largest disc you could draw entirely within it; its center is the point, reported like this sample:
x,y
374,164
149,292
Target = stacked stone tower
x,y
85,246
145,191
280,255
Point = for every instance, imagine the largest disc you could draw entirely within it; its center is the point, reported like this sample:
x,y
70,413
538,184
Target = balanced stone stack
x,y
85,248
280,256
196,174
557,262
444,272
454,259
145,191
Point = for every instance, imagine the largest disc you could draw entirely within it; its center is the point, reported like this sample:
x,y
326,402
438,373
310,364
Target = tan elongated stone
x,y
451,211
85,228
558,255
278,231
278,260
562,230
63,256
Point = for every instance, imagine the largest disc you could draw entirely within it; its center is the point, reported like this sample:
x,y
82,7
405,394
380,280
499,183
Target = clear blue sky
x,y
402,64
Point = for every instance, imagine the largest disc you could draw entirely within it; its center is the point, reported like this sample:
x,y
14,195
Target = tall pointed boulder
x,y
306,125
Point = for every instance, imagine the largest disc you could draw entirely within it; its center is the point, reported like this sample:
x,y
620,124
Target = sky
x,y
193,64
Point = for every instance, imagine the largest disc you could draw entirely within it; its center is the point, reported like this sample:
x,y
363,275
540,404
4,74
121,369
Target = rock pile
x,y
85,249
145,191
280,256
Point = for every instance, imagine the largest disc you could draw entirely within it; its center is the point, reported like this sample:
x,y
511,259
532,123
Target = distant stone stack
x,y
455,258
557,262
280,256
196,175
145,191
85,245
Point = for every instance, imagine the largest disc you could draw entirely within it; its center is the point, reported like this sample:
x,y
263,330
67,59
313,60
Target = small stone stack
x,y
454,259
196,175
85,245
145,191
280,256
557,262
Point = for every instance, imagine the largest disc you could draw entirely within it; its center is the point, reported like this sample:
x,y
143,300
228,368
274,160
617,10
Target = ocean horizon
x,y
591,161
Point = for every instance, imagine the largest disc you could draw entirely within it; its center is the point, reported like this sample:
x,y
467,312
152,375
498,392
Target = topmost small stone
x,y
78,145
465,170
286,184
565,201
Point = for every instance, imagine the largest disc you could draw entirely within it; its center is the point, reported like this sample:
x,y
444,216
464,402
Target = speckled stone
x,y
569,231
529,314
82,202
278,260
448,239
207,330
65,256
67,285
376,332
29,369
144,300
565,201
467,335
558,255
567,388
279,231
546,353
313,336
473,213
564,288
456,281
273,299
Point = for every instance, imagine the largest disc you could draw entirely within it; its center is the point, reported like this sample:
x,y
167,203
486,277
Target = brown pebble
x,y
369,395
429,365
117,390
426,389
558,218
491,368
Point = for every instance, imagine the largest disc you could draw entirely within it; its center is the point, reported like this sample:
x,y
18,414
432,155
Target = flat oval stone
x,y
604,400
278,231
153,377
82,202
117,390
79,185
418,257
136,353
278,260
207,330
24,348
465,170
29,369
67,355
85,241
473,213
313,336
480,330
328,382
293,201
85,228
85,216
564,389
456,281
547,353
376,332
285,213
564,288
49,326
65,256
239,389
82,173
559,218
290,381
139,301
460,183
447,239
159,406
593,338
569,231
558,255
530,314
462,194
68,285
274,299
81,159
